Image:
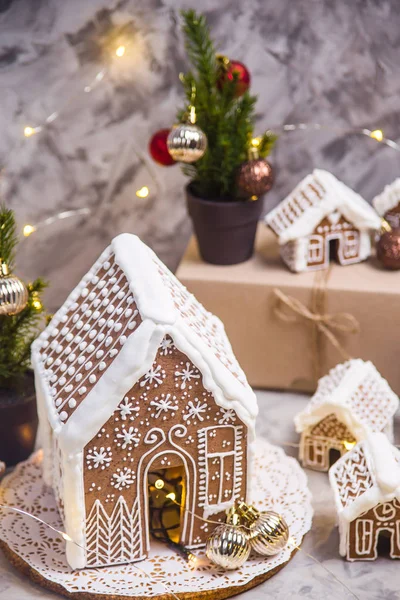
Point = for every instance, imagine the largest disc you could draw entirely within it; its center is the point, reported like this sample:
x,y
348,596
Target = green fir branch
x,y
227,121
17,332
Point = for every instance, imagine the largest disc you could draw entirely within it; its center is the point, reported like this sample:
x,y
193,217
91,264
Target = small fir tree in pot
x,y
21,312
227,166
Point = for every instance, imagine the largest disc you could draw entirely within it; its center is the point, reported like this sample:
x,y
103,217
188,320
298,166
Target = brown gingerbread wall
x,y
327,229
365,530
167,419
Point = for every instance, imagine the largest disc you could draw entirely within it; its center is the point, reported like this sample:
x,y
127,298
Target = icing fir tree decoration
x,y
321,219
187,142
120,375
350,403
268,531
254,177
233,70
366,486
13,292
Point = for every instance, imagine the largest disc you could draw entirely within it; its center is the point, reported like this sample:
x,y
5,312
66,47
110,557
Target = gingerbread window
x,y
315,249
364,536
221,465
351,243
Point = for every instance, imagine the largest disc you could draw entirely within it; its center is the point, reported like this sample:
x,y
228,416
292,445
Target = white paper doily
x,y
277,483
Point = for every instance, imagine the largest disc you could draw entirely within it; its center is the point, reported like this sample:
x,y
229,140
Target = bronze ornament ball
x,y
13,292
254,178
186,143
388,249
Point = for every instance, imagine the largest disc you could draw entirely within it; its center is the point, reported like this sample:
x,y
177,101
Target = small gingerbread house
x,y
366,485
322,219
350,403
135,379
387,203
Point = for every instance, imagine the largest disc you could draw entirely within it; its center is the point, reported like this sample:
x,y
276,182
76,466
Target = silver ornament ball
x,y
13,292
186,143
228,546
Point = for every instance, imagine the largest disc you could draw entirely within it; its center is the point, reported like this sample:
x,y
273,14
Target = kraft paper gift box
x,y
278,347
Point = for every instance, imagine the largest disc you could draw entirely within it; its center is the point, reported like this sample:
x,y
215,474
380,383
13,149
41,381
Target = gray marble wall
x,y
311,60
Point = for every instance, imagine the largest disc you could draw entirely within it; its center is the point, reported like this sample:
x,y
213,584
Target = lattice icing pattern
x,y
205,324
85,339
278,483
306,195
352,475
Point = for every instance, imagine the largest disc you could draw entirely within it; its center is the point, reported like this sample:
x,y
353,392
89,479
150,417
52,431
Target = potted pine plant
x,y
215,140
21,312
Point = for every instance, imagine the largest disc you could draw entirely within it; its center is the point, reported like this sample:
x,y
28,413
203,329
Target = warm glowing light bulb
x,y
120,51
28,131
171,496
28,229
377,135
143,192
348,445
255,142
66,537
37,304
159,484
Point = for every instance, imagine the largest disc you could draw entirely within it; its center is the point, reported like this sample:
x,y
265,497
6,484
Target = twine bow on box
x,y
323,324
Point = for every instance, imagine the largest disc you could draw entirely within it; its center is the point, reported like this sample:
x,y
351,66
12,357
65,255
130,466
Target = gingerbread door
x,y
166,451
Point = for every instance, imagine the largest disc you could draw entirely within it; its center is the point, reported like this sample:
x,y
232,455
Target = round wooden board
x,y
226,592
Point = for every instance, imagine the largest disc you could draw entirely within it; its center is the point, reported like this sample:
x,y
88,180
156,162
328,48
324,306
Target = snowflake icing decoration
x,y
195,411
188,373
98,457
228,416
154,376
126,409
123,478
166,346
127,437
164,403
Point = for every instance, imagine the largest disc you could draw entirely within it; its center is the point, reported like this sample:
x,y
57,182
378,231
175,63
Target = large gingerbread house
x,y
322,219
387,203
134,377
350,403
366,485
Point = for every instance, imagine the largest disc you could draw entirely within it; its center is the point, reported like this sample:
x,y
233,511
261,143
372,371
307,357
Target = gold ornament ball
x,y
13,292
269,532
186,143
228,546
254,177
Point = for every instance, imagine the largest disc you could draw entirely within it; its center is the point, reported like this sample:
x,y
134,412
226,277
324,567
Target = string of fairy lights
x,y
144,191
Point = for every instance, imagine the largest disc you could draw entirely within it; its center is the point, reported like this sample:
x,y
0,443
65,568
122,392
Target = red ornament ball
x,y
388,249
228,70
159,150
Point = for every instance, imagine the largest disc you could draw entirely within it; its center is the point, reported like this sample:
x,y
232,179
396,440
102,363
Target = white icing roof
x,y
388,198
357,394
366,476
317,196
106,336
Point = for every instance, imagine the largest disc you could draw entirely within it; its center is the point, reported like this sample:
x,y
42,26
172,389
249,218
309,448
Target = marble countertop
x,y
303,577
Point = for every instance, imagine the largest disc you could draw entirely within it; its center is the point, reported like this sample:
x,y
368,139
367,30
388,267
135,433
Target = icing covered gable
x,y
107,333
357,394
317,196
